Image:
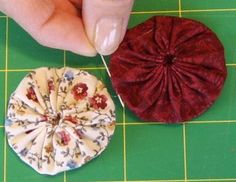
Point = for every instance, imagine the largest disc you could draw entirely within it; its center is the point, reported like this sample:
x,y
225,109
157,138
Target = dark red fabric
x,y
169,69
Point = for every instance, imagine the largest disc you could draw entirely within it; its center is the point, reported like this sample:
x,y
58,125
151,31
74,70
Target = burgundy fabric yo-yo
x,y
169,69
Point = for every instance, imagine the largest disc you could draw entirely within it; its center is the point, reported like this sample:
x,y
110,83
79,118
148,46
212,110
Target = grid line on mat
x,y
159,123
184,126
124,145
5,103
176,11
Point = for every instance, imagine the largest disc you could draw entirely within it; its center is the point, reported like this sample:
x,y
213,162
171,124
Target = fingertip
x,y
108,34
106,52
106,23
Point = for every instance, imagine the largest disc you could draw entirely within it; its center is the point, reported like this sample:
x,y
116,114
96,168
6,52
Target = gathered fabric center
x,y
169,59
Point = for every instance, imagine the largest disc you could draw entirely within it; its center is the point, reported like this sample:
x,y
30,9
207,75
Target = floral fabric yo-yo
x,y
59,119
169,69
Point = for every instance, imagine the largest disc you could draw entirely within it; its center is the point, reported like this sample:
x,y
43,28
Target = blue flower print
x,y
24,152
71,164
8,122
69,75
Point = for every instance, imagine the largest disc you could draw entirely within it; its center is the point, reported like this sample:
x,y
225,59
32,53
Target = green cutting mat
x,y
201,150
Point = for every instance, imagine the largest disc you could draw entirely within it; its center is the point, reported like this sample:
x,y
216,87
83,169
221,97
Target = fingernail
x,y
108,35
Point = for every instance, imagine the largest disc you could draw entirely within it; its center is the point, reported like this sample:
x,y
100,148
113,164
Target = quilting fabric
x,y
59,119
169,69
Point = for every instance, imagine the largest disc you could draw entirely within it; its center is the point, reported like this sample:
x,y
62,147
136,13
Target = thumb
x,y
106,22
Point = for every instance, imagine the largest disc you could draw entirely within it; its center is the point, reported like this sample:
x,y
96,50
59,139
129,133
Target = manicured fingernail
x,y
108,35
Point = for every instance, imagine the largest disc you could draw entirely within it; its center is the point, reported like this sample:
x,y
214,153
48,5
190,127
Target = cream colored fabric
x,y
59,119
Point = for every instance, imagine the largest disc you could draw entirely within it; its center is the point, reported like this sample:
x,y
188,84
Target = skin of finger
x,y
65,31
53,23
94,10
77,3
22,10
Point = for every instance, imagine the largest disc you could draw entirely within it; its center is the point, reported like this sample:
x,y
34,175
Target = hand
x,y
82,26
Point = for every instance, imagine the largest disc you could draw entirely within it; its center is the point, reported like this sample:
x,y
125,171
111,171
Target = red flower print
x,y
31,94
65,138
44,118
98,101
71,119
51,86
79,91
49,148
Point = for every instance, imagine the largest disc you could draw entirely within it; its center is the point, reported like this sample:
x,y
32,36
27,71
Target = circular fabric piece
x,y
169,69
59,119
